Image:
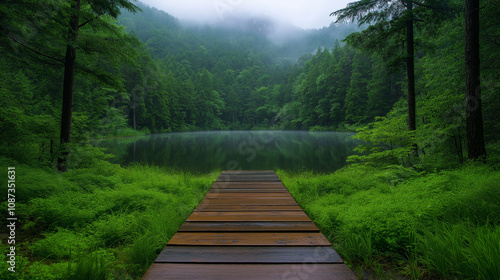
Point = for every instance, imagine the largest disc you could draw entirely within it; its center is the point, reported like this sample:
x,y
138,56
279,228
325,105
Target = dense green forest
x,y
168,76
128,69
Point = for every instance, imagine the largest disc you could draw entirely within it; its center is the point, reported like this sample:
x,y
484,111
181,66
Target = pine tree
x,y
475,132
48,20
356,100
390,17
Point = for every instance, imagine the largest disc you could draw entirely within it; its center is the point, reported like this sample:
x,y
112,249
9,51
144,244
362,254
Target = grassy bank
x,y
100,221
103,221
425,225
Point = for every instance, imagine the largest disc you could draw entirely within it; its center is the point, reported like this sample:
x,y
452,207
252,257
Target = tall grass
x,y
464,250
143,252
358,248
94,266
99,221
445,222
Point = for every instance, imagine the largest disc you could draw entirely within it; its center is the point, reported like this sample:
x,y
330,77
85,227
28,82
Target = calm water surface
x,y
234,150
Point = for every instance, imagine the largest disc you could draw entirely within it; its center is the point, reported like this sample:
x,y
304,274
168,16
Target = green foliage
x,y
173,85
114,230
95,266
332,90
143,252
40,270
386,141
462,250
22,264
60,245
446,222
26,133
99,222
356,97
358,248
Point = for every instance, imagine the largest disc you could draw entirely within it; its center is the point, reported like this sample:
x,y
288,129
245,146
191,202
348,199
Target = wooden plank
x,y
247,175
247,195
250,179
247,187
234,208
248,227
257,197
248,271
249,239
254,201
247,190
247,255
249,216
248,172
231,177
273,183
229,196
254,185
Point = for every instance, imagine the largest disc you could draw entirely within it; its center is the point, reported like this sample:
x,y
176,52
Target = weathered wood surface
x,y
249,271
249,239
248,255
248,226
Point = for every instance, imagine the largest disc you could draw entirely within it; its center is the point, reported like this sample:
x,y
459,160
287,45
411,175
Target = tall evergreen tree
x,y
382,89
48,20
390,17
356,100
342,76
474,119
94,11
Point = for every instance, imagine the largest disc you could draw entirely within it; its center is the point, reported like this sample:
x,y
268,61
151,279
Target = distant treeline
x,y
163,76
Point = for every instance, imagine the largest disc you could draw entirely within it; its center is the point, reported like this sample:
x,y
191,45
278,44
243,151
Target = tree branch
x,y
34,50
494,42
423,5
88,21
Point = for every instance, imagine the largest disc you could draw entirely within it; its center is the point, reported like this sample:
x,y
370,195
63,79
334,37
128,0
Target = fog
x,y
305,14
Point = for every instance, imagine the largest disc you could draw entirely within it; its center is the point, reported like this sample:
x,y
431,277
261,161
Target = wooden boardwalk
x,y
248,226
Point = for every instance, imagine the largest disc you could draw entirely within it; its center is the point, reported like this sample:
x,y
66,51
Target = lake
x,y
235,150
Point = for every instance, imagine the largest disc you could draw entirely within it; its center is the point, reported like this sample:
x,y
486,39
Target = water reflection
x,y
233,150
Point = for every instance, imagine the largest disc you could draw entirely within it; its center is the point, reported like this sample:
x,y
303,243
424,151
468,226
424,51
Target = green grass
x,y
98,221
103,221
443,224
463,250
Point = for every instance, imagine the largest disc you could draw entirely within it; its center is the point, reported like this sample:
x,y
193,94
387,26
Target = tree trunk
x,y
410,71
474,119
68,83
133,112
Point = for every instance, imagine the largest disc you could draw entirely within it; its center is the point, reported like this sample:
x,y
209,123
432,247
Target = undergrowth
x,y
98,221
103,221
441,224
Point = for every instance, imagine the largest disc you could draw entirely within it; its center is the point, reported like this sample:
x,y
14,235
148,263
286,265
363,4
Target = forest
x,y
72,71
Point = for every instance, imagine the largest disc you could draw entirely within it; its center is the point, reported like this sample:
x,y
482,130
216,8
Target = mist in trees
x,y
147,71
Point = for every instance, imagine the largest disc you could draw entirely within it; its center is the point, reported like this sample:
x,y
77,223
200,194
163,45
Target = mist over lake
x,y
234,150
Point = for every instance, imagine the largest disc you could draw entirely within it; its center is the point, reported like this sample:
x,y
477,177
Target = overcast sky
x,y
301,13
